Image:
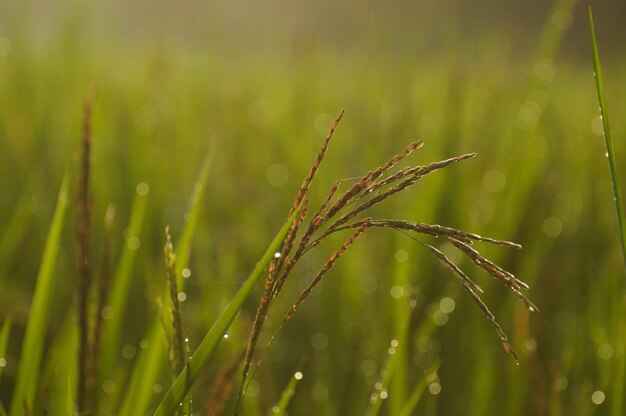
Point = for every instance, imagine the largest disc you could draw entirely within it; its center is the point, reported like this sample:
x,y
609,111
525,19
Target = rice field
x,y
212,138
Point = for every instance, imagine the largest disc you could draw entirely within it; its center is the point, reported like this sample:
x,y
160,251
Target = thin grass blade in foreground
x,y
287,394
617,403
201,357
4,341
144,375
32,348
120,287
419,390
608,140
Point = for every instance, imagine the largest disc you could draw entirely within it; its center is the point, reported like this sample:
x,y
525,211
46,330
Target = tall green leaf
x,y
32,348
139,394
286,395
4,341
120,286
617,403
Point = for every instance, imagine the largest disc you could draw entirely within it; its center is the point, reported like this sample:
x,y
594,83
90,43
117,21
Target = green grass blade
x,y
32,348
120,286
146,371
608,140
617,403
399,343
208,345
419,390
61,365
286,395
70,399
4,341
16,230
183,246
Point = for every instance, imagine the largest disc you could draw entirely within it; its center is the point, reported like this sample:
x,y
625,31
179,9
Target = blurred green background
x,y
262,82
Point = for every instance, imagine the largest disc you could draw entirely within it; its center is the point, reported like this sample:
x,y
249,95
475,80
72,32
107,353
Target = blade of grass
x,y
183,246
409,407
208,345
120,287
4,341
32,348
617,402
70,400
608,140
61,365
286,395
16,229
149,362
388,370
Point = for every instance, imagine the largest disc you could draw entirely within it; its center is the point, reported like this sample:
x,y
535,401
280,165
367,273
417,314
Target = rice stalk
x,y
177,342
370,190
83,212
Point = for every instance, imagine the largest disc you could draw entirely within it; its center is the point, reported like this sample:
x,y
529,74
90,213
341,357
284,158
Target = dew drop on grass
x,y
143,189
277,255
3,362
434,388
298,375
128,352
384,394
598,397
182,296
106,312
108,386
226,335
186,273
275,409
157,388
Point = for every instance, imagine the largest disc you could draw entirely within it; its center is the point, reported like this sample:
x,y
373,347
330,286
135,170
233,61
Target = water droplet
x,y
298,375
394,343
186,339
143,189
3,362
182,296
226,335
186,273
598,397
128,352
106,312
108,386
434,388
275,409
384,394
378,385
277,255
